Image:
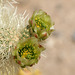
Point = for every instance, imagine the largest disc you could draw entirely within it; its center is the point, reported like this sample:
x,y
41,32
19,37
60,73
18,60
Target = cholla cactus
x,y
27,52
18,46
40,25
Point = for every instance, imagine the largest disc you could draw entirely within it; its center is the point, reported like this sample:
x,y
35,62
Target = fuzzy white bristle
x,y
10,26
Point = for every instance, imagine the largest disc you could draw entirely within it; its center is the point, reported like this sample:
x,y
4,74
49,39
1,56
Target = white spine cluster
x,y
10,26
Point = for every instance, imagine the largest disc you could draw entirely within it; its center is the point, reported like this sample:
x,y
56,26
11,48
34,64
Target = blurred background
x,y
59,56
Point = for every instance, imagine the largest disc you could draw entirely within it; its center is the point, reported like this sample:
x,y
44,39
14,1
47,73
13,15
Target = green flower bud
x,y
27,52
40,25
